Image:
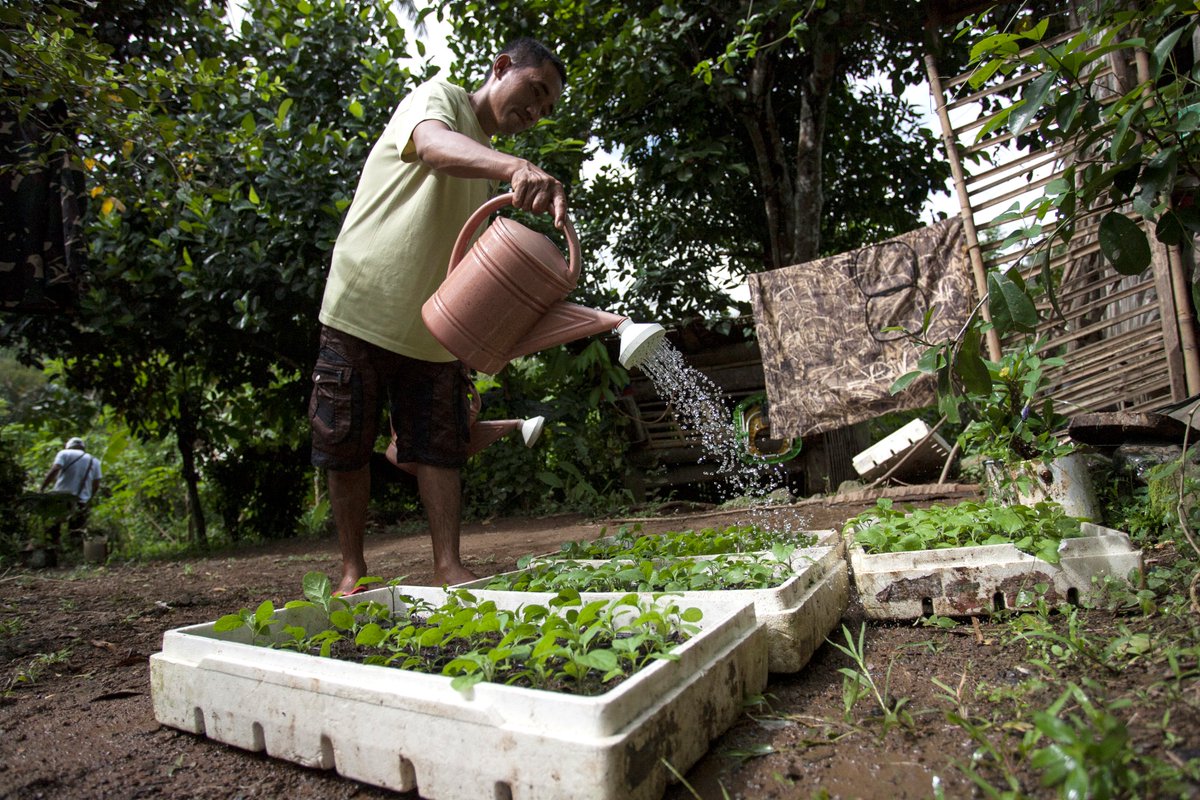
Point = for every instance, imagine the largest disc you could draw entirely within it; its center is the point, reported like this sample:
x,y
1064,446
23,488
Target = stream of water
x,y
696,405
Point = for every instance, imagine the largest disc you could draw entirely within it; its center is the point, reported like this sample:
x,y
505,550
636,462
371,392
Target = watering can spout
x,y
639,340
565,322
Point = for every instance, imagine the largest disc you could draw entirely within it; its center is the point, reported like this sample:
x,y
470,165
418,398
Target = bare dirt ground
x,y
83,726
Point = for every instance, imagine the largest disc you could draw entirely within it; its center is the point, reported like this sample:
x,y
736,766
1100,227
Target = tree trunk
x,y
185,436
791,183
809,198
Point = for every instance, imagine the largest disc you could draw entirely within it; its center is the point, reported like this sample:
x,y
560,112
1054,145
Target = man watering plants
x,y
430,169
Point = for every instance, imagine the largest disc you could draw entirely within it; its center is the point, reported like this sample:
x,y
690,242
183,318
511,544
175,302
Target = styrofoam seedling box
x,y
403,730
796,615
824,538
963,581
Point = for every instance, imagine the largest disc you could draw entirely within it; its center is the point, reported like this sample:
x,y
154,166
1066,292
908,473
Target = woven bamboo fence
x,y
1129,341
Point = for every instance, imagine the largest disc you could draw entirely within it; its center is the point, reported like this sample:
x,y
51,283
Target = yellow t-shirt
x,y
395,242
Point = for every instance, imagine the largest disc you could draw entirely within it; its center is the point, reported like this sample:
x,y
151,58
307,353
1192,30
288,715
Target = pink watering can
x,y
504,298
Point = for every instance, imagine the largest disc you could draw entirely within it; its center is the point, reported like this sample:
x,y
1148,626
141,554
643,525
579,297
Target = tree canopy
x,y
217,163
752,135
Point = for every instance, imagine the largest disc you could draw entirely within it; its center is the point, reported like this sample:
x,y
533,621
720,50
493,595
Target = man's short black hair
x,y
527,52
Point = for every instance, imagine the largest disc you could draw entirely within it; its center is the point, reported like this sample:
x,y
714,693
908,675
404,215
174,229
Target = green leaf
x,y
282,112
317,587
370,635
1031,102
904,380
1169,229
970,367
1124,244
1162,52
1189,119
229,622
342,619
264,612
461,683
602,660
1010,306
1122,137
356,109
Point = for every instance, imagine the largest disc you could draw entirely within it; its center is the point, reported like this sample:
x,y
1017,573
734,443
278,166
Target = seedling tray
x,y
824,538
403,730
796,616
978,580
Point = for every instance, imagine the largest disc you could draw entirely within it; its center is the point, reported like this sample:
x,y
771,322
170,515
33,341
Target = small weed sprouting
x,y
990,753
1089,753
32,672
1051,648
936,621
858,682
11,626
566,645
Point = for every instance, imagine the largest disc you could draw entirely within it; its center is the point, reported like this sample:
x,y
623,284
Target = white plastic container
x,y
797,615
403,730
962,581
922,453
1065,480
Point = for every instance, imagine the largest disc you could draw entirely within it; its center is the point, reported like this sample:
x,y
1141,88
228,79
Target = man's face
x,y
526,95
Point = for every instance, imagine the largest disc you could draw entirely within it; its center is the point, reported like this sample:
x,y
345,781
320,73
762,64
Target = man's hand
x,y
536,190
452,153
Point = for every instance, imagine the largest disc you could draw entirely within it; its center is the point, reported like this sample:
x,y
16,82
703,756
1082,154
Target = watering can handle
x,y
496,203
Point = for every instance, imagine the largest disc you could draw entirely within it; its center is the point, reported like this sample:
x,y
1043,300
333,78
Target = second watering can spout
x,y
505,298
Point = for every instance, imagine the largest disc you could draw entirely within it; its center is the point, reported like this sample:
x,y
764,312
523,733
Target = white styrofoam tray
x,y
961,581
797,615
403,730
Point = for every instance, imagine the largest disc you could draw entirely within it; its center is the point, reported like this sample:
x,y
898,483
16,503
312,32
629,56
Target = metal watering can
x,y
504,298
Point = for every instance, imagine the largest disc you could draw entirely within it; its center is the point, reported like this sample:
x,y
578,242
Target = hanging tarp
x,y
828,357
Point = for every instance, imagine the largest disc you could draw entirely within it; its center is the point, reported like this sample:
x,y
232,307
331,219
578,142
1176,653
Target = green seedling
x,y
33,672
1037,530
631,543
565,645
988,752
678,575
1089,753
858,682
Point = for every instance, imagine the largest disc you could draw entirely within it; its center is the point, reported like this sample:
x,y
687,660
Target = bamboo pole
x,y
974,252
1184,320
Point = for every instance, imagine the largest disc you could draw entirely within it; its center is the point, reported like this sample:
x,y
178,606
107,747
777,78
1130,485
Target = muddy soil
x,y
82,726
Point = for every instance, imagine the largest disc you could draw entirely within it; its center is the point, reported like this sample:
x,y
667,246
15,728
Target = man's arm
x,y
452,153
50,476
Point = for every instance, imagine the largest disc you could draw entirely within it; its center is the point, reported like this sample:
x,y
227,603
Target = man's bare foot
x,y
452,575
348,582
